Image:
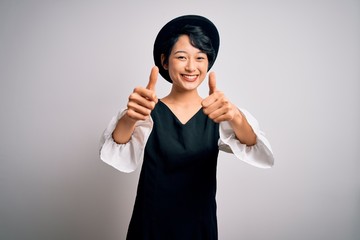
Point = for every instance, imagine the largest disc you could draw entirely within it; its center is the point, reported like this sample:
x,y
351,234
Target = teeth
x,y
191,77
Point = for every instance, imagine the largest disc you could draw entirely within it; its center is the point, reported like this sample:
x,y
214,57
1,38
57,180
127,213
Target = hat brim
x,y
176,24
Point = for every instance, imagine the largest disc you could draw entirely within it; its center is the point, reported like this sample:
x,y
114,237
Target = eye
x,y
201,57
181,57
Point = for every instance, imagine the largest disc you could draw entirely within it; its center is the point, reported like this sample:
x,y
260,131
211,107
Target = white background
x,y
66,67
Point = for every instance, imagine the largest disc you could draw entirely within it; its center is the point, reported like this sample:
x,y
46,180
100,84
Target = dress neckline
x,y
176,117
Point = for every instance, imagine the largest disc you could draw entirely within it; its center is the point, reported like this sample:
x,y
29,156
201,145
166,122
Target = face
x,y
187,65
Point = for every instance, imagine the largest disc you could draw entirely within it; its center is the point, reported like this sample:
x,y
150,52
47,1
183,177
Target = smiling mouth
x,y
189,78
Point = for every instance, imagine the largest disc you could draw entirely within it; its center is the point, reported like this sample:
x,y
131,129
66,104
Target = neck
x,y
183,98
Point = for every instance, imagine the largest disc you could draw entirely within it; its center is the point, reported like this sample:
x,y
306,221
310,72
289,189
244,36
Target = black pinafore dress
x,y
177,185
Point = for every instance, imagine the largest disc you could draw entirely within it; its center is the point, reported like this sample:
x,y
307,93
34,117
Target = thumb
x,y
153,78
212,83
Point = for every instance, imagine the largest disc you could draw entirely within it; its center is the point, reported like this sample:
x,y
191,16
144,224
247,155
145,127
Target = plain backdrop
x,y
67,67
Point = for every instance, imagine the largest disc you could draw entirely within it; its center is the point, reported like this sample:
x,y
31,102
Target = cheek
x,y
173,68
205,65
204,68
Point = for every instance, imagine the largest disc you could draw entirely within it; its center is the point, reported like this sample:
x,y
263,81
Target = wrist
x,y
128,121
237,119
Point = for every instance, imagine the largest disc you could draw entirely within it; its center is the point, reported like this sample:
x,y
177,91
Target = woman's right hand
x,y
143,100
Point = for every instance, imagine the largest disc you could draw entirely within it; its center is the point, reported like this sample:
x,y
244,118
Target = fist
x,y
216,106
143,100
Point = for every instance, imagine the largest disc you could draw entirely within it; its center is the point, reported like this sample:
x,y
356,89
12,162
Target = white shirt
x,y
126,157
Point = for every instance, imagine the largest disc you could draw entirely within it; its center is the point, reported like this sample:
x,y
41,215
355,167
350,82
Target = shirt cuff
x,y
125,157
259,155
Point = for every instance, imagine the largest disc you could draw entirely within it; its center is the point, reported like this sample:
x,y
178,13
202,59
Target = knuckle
x,y
130,113
137,89
225,101
228,108
129,105
152,105
132,96
212,116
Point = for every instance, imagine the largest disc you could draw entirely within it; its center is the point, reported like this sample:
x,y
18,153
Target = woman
x,y
179,136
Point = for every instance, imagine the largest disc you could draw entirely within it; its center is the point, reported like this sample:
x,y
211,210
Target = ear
x,y
165,65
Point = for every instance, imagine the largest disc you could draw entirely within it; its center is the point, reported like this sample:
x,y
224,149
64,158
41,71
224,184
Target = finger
x,y
135,115
217,113
212,83
139,109
142,100
210,107
224,113
144,93
212,98
221,118
153,78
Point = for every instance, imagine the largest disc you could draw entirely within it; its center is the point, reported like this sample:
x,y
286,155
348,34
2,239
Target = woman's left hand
x,y
219,109
217,106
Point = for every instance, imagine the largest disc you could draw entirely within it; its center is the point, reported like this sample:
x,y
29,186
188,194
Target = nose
x,y
190,65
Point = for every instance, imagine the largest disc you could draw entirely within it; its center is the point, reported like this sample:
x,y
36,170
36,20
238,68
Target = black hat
x,y
176,24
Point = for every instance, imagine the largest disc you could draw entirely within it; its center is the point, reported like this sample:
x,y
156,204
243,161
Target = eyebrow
x,y
182,51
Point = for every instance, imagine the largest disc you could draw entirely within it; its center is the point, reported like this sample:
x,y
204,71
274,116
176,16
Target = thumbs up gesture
x,y
143,100
216,105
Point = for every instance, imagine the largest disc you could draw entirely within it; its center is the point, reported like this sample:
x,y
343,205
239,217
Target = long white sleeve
x,y
125,157
259,155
